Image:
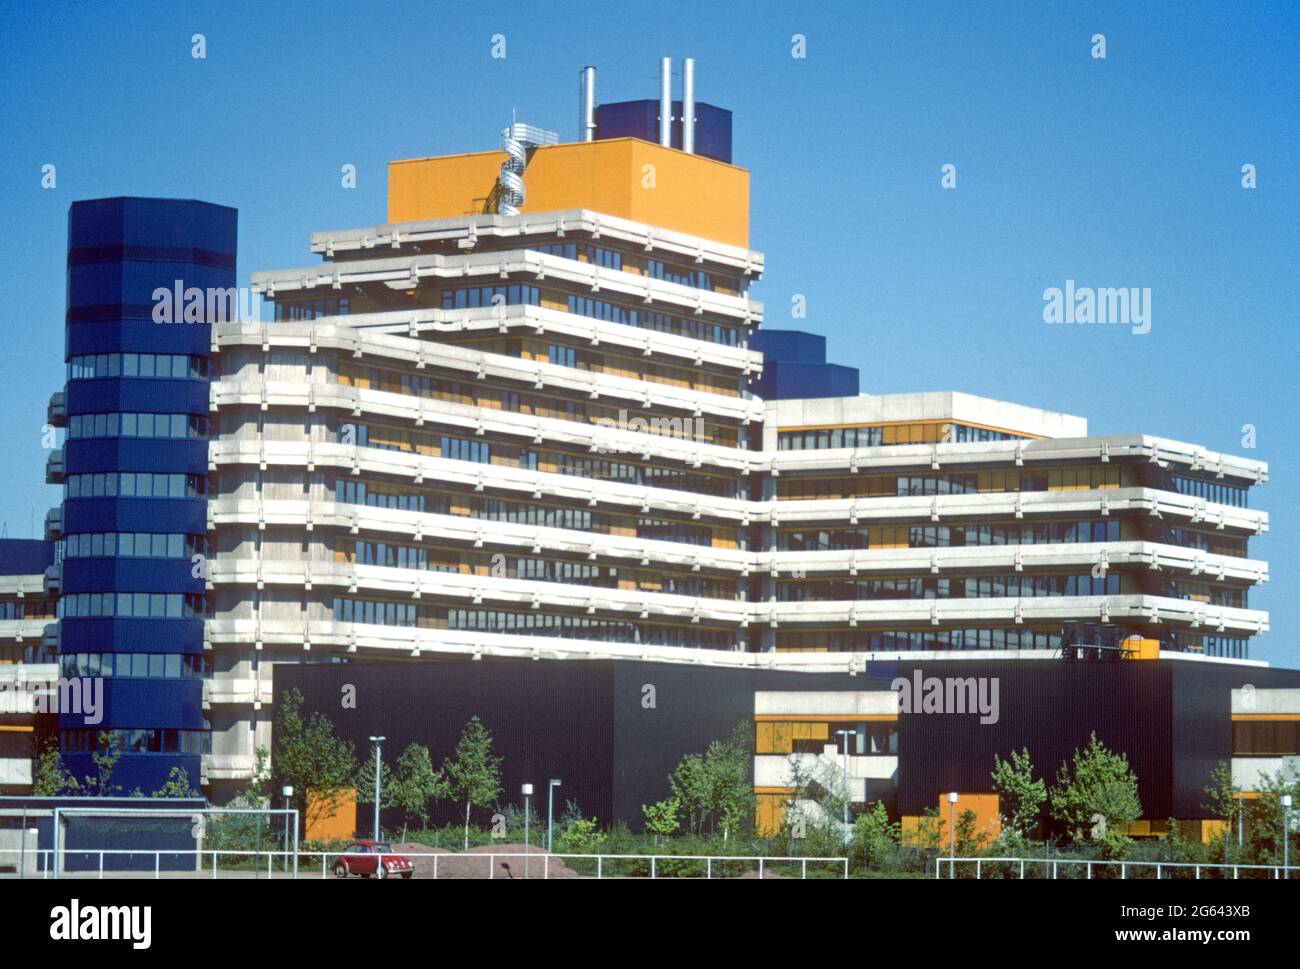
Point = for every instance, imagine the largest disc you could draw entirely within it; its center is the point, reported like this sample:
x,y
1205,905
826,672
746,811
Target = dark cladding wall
x,y
590,723
640,119
547,720
1050,707
1173,719
1202,721
25,556
586,723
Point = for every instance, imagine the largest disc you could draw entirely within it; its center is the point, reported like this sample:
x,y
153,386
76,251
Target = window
x,y
173,366
562,356
133,605
1265,738
133,545
477,297
138,425
312,309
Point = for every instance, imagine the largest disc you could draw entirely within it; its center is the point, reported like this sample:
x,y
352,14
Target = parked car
x,y
366,858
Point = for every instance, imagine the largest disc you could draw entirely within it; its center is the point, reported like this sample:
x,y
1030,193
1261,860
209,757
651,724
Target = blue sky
x,y
1115,172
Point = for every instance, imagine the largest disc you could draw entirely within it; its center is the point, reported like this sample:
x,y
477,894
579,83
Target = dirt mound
x,y
479,863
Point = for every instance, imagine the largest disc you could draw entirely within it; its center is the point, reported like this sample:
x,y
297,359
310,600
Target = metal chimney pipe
x,y
587,103
666,102
688,105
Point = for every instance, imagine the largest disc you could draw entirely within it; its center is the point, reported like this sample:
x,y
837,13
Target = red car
x,y
366,858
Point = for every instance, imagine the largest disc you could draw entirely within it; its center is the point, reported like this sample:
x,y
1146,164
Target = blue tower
x,y
136,477
794,366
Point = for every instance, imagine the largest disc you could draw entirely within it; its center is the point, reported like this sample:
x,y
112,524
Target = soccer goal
x,y
260,841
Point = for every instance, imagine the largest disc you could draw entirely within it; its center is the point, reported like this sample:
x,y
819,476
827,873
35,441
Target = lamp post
x,y
1286,834
286,793
952,830
527,791
551,785
844,737
379,747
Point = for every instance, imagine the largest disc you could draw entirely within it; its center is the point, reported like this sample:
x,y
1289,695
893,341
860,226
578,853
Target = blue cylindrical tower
x,y
146,278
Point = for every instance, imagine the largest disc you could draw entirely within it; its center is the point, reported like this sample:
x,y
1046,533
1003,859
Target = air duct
x,y
666,102
688,105
587,103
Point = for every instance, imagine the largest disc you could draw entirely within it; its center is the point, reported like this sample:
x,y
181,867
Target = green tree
x,y
51,777
714,788
728,765
1020,796
416,784
661,818
930,830
580,837
364,782
1223,802
969,839
689,784
875,838
474,776
1101,783
307,755
1266,815
108,751
176,785
242,832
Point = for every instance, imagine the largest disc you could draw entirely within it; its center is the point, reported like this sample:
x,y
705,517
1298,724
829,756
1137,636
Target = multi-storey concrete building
x,y
532,414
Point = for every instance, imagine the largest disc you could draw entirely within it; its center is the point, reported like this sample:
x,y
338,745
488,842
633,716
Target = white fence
x,y
292,865
1052,867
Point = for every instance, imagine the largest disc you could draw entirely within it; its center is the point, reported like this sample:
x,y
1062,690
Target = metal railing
x,y
1047,868
221,862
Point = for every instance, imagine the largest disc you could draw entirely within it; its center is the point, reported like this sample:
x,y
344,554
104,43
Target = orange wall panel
x,y
623,177
341,825
985,806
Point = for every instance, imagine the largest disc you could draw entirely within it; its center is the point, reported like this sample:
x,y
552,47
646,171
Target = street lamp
x,y
952,830
527,791
379,747
286,793
845,734
551,785
1286,834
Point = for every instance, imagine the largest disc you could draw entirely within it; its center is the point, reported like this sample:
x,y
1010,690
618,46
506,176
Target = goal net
x,y
176,839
